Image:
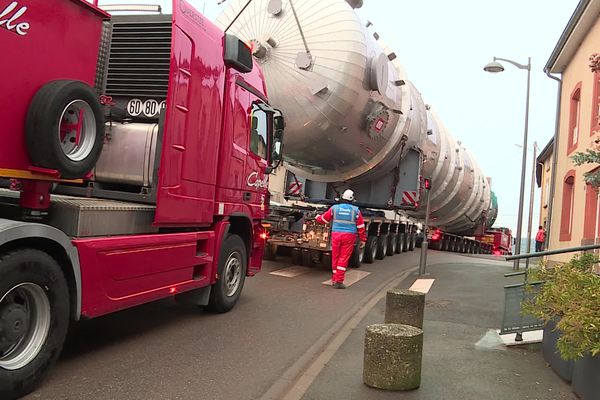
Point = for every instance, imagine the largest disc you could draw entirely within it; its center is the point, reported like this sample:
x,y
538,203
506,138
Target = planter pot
x,y
563,368
586,378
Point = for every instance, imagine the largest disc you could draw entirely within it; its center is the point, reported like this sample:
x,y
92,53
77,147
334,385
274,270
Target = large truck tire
x,y
34,318
382,243
392,244
326,261
358,254
65,128
400,245
270,252
226,291
412,241
406,241
296,256
370,250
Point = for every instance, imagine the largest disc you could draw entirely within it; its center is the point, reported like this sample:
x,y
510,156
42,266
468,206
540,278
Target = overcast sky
x,y
444,45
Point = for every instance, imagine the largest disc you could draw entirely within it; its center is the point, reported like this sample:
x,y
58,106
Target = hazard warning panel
x,y
295,189
409,198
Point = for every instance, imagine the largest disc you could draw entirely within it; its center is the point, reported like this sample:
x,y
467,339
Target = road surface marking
x,y
298,378
291,272
351,277
422,285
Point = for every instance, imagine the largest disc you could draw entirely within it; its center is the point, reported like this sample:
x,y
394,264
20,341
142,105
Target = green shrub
x,y
571,295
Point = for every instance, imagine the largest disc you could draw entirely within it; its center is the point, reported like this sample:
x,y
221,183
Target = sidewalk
x,y
462,356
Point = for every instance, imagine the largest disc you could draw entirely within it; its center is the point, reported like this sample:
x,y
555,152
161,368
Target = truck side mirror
x,y
236,54
278,128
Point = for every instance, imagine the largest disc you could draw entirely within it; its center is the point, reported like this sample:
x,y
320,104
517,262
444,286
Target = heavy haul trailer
x,y
443,241
106,205
293,227
354,120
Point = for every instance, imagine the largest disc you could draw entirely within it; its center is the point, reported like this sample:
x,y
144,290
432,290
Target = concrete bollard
x,y
403,306
393,355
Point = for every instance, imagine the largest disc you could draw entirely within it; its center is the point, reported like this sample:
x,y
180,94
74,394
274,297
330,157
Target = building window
x,y
574,114
595,124
590,222
566,220
546,192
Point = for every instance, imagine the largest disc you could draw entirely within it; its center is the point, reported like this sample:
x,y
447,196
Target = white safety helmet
x,y
348,195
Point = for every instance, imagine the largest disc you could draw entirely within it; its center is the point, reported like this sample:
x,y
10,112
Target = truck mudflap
x,y
13,231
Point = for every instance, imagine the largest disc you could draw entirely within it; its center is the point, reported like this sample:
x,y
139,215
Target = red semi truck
x,y
134,164
500,240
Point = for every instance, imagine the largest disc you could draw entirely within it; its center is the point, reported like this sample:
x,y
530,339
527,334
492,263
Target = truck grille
x,y
139,57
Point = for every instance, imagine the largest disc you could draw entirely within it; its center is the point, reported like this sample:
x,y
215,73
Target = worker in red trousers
x,y
347,222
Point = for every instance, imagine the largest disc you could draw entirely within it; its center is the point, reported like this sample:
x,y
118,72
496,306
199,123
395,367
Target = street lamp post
x,y
495,67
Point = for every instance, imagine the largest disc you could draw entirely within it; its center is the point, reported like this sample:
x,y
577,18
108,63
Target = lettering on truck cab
x,y
253,181
9,18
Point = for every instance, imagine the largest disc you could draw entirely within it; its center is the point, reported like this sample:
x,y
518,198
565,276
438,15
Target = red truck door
x,y
242,181
192,131
258,143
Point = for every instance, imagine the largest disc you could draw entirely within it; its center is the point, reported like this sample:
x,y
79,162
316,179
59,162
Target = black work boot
x,y
338,285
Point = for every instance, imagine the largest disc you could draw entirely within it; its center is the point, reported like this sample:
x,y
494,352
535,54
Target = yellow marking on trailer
x,y
24,174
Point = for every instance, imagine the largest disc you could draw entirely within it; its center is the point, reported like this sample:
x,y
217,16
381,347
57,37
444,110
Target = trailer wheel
x,y
270,252
326,261
65,128
34,317
357,257
400,245
391,246
382,242
226,291
296,256
412,241
370,250
406,241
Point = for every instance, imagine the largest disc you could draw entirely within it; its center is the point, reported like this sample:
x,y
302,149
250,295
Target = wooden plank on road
x,y
351,278
291,272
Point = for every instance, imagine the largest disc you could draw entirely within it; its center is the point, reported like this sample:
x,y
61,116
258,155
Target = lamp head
x,y
494,67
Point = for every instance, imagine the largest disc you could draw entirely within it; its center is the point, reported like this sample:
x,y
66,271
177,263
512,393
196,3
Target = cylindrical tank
x,y
460,194
351,112
347,107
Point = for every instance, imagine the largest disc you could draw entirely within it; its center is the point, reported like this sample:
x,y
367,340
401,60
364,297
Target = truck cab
x,y
139,175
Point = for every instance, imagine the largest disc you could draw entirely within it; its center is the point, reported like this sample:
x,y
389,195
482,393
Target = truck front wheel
x,y
231,275
34,317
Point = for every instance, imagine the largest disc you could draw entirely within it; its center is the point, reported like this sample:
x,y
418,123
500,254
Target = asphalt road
x,y
166,351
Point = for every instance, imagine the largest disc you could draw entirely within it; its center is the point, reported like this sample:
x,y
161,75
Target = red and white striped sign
x,y
409,199
295,189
